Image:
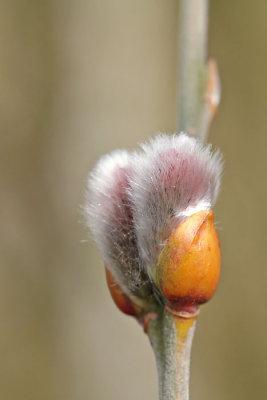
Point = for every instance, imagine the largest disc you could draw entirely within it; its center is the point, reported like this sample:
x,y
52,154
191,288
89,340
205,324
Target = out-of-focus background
x,y
79,78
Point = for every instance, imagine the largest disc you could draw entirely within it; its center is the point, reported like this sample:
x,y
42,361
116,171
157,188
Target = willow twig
x,y
199,95
198,84
171,338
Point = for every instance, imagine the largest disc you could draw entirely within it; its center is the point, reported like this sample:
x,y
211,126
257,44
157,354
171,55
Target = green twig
x,y
171,338
199,94
198,85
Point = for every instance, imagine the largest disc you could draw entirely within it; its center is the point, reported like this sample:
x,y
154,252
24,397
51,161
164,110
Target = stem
x,y
199,95
195,107
171,338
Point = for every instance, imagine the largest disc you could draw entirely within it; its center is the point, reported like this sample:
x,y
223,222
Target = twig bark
x,y
171,338
198,83
199,95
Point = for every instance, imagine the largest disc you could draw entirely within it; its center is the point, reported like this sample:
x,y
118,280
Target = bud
x,y
108,210
189,264
122,301
136,205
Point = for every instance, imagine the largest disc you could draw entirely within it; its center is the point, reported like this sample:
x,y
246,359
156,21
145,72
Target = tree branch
x,y
199,86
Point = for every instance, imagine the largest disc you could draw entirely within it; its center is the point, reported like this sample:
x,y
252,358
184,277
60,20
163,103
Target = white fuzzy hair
x,y
174,177
109,215
134,202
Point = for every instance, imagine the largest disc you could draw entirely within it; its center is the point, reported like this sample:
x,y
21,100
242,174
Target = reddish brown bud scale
x,y
189,264
122,301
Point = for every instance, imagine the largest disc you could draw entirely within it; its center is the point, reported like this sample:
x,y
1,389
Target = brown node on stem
x,y
213,92
184,314
189,264
151,316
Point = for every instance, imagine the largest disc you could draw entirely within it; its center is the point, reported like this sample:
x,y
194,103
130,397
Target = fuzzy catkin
x,y
135,200
174,177
108,212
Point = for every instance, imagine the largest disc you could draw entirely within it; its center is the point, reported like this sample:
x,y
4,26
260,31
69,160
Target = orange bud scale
x,y
189,264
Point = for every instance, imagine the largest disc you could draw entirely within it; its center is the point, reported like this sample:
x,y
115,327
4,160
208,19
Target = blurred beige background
x,y
79,78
